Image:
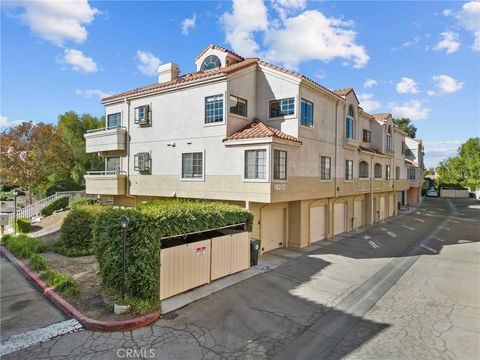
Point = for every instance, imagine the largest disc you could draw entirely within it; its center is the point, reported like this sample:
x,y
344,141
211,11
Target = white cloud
x,y
91,93
148,63
5,123
78,61
246,18
313,36
447,12
436,151
407,86
56,21
188,23
368,103
450,42
369,83
469,19
447,84
412,109
406,44
286,7
431,93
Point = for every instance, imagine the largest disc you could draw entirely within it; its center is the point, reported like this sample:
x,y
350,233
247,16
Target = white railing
x,y
106,128
33,210
108,172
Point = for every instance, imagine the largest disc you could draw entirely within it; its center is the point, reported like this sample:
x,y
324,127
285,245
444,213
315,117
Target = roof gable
x,y
259,130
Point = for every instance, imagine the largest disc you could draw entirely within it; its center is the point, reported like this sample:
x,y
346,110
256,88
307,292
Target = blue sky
x,y
414,59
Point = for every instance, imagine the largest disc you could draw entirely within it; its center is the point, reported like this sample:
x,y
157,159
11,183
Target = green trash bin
x,y
254,250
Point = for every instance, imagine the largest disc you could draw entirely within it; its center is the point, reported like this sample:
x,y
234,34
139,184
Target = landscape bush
x,y
23,246
23,225
38,263
76,233
6,196
61,282
57,204
81,201
149,222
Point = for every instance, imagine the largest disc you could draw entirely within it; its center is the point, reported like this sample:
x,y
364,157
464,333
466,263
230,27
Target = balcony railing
x,y
108,172
105,140
108,182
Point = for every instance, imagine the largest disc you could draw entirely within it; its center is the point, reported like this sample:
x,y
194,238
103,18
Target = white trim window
x,y
378,171
325,168
238,106
387,172
349,123
192,165
389,138
367,136
279,165
114,120
348,169
306,113
412,173
256,164
113,164
282,107
142,115
142,162
213,109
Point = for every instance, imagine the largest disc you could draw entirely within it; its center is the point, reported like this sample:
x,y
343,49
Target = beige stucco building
x,y
414,162
307,161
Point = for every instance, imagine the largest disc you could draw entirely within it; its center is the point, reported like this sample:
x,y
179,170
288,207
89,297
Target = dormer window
x,y
211,62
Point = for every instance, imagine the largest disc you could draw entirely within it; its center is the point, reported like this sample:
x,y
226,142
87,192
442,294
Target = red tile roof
x,y
370,150
259,130
381,117
212,46
343,92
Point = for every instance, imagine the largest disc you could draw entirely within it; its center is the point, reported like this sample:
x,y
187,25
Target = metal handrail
x,y
108,172
106,128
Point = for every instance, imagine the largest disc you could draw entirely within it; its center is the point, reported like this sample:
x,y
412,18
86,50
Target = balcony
x,y
106,140
106,182
350,143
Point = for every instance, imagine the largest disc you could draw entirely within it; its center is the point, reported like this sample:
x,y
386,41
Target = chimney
x,y
167,72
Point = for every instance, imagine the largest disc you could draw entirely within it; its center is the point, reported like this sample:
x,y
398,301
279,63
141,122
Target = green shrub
x,y
60,282
23,225
38,263
81,201
57,204
6,196
76,237
23,246
149,222
6,238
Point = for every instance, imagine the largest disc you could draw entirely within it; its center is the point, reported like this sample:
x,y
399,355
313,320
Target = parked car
x,y
432,193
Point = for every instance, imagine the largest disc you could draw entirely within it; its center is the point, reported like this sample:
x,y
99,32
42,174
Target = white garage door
x,y
382,207
272,227
391,205
339,218
358,213
318,228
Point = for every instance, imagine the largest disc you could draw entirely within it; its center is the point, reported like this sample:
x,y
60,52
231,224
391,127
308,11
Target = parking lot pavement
x,y
267,315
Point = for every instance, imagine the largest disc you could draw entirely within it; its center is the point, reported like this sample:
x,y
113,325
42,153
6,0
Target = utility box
x,y
4,219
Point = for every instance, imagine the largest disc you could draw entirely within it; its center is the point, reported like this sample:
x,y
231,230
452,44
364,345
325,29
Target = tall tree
x,y
29,154
406,125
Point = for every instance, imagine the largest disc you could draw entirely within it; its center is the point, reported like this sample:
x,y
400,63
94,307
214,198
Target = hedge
x,y
149,222
23,246
38,262
23,225
76,233
57,204
81,201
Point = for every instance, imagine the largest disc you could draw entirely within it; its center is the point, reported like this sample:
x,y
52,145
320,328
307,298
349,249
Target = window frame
x,y
397,173
210,123
146,112
403,147
277,176
238,98
348,170
267,165
360,164
281,116
307,102
146,158
410,172
182,174
367,136
378,174
388,174
323,172
350,120
117,170
389,138
108,127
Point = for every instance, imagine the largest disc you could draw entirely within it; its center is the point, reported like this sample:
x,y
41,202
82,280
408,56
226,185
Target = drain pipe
x,y
127,182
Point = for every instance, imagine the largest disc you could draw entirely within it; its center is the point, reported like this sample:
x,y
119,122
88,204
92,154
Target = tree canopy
x,y
406,125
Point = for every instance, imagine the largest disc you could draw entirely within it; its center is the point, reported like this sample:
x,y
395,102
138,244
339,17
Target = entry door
x,y
318,228
339,218
391,207
272,228
382,207
358,207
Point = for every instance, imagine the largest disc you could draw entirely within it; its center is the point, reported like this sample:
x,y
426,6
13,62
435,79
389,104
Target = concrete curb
x,y
70,310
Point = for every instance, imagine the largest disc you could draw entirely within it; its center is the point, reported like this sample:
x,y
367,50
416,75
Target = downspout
x,y
372,179
127,192
336,144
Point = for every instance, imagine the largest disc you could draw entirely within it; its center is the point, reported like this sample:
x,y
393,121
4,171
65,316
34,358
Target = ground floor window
x,y
279,165
192,165
325,166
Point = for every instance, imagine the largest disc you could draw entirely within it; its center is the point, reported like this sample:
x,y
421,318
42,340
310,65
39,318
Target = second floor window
x,y
283,107
363,169
387,172
113,164
192,165
378,171
142,162
256,164
238,106
114,120
348,169
142,114
367,136
389,138
349,123
397,173
279,165
325,168
306,113
403,147
411,173
213,109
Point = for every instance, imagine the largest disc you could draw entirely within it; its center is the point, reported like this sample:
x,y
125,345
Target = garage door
x,y
318,224
382,207
272,227
358,210
391,205
339,218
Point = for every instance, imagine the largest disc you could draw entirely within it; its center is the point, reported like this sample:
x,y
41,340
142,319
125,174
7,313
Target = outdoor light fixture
x,y
15,194
124,223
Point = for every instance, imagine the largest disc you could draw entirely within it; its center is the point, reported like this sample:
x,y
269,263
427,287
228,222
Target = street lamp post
x,y
124,222
15,194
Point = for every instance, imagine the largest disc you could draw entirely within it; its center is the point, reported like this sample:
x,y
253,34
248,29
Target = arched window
x,y
363,169
389,138
349,123
378,171
211,62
